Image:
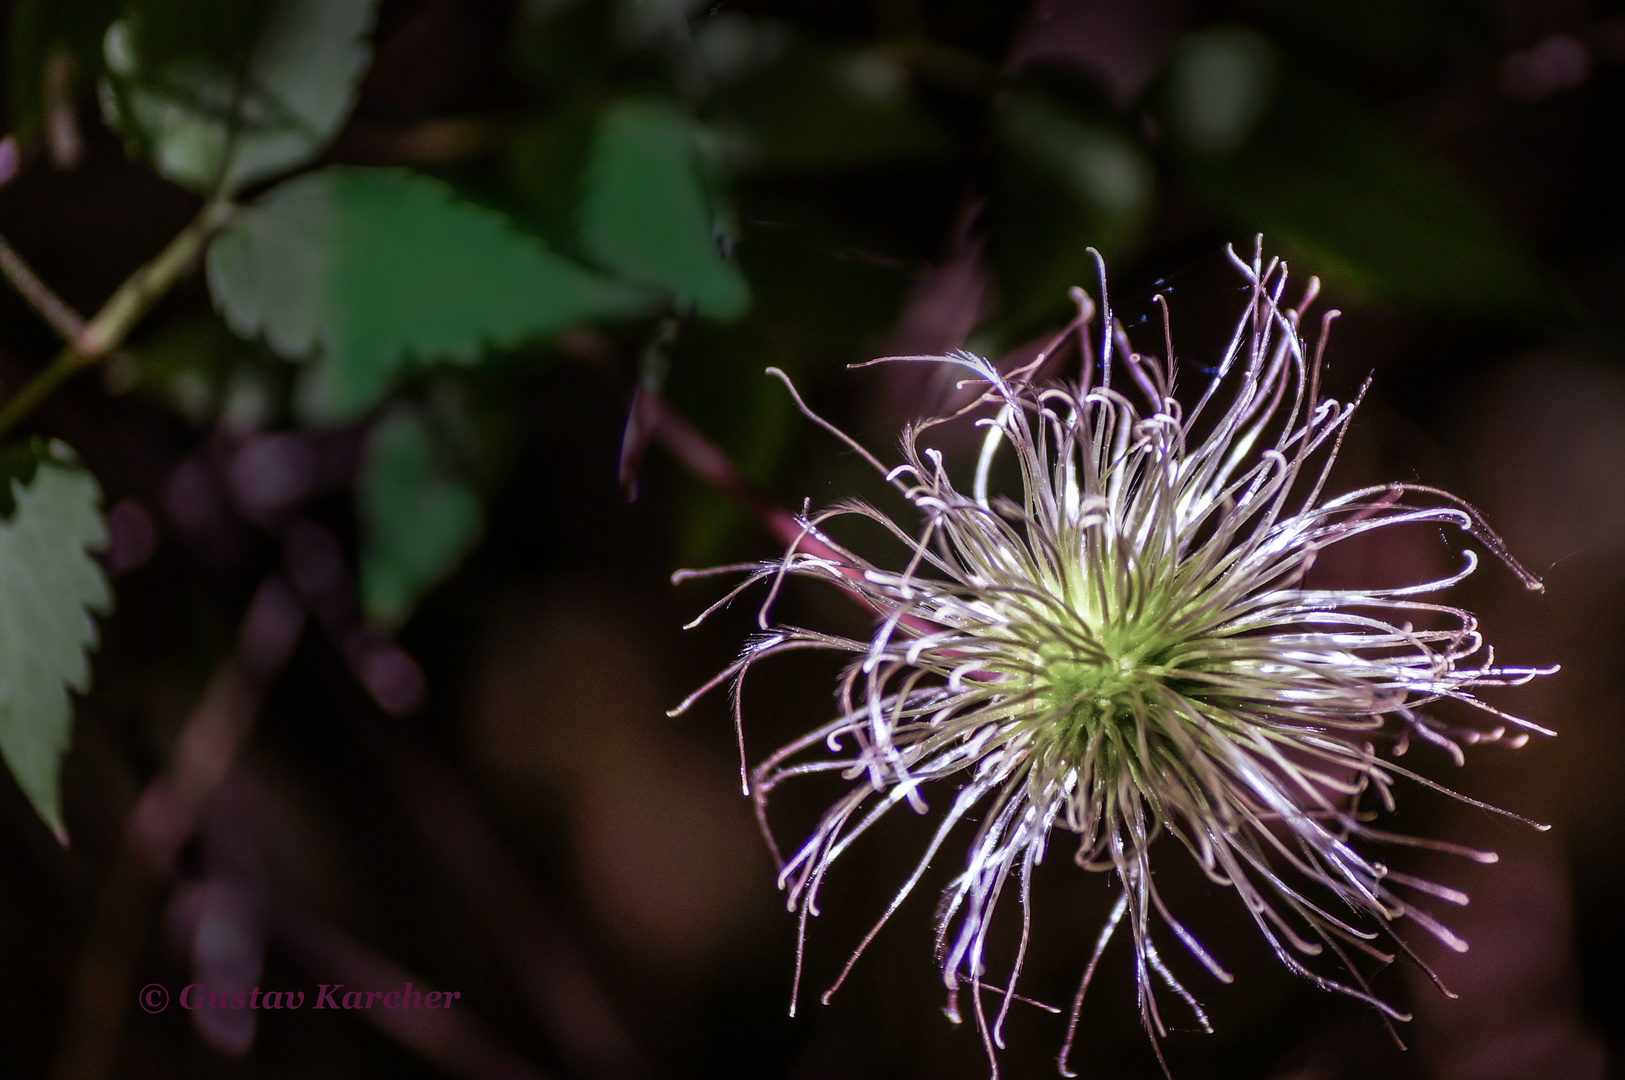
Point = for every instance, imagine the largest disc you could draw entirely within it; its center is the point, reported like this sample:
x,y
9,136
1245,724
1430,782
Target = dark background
x,y
538,835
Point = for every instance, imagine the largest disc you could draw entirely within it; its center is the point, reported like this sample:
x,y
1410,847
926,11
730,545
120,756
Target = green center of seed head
x,y
1078,694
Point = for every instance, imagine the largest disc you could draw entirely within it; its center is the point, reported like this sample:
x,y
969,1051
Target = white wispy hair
x,y
1131,649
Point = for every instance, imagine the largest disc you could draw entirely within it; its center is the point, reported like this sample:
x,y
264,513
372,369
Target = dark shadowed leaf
x,y
49,585
648,213
557,44
801,106
1065,181
206,373
1220,85
1327,177
543,162
417,520
225,94
371,270
1393,39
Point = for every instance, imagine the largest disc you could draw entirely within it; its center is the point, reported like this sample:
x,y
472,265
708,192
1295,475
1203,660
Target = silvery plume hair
x,y
1130,649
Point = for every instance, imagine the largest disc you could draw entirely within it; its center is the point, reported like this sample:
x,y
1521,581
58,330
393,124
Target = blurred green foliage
x,y
222,95
792,103
425,248
1308,165
775,188
646,211
417,521
364,271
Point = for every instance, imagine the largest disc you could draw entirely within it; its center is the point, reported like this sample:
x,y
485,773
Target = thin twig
x,y
61,316
708,462
97,338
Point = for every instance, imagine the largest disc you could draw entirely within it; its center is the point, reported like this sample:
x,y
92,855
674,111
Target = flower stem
x,y
93,340
707,461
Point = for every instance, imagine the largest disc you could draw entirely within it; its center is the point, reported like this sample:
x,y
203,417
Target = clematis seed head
x,y
1127,650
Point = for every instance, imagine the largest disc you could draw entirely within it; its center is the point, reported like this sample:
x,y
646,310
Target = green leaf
x,y
648,213
48,586
417,521
372,270
228,93
41,30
